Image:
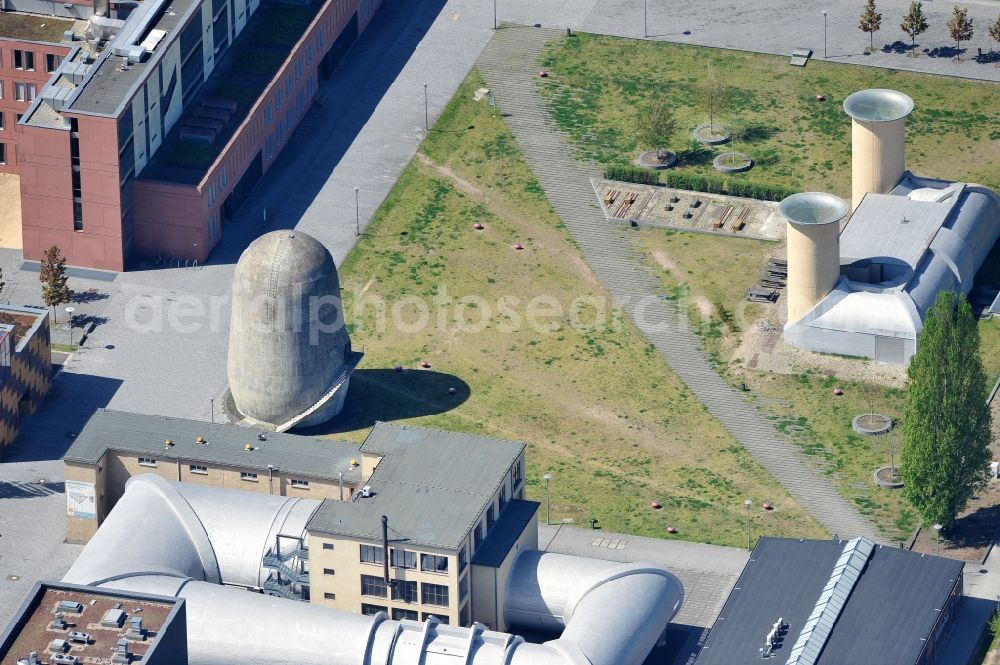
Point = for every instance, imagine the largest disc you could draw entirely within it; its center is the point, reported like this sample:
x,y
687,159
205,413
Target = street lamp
x,y
748,503
824,34
937,537
357,212
645,27
427,124
70,310
548,504
494,14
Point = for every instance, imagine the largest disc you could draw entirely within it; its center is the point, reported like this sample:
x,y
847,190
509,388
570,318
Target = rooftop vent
x,y
248,446
57,622
32,659
69,606
135,629
122,654
366,491
354,462
113,619
168,443
200,439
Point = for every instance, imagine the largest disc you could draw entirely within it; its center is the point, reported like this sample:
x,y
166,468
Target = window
x,y
433,563
400,614
463,559
301,484
278,96
268,114
20,92
405,591
223,178
463,588
373,586
371,554
249,476
1,89
298,69
328,546
147,461
372,609
1,121
3,153
29,60
517,474
31,92
402,558
52,62
197,468
491,519
211,198
288,86
434,594
328,571
503,496
477,537
329,596
440,617
18,59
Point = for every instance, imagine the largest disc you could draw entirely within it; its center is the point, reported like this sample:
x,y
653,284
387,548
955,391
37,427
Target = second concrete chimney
x,y
878,137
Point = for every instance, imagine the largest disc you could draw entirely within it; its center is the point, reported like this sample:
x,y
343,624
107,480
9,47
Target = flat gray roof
x,y
107,89
515,518
225,445
893,227
432,485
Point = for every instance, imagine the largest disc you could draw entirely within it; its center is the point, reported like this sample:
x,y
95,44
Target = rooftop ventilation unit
x,y
135,629
69,606
113,619
122,654
366,491
56,96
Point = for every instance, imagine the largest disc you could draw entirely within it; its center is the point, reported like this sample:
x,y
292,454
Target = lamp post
x,y
937,538
748,503
211,409
427,123
494,14
645,26
70,310
824,34
548,504
357,212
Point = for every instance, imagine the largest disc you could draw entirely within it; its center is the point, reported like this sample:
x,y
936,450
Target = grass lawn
x,y
598,407
33,27
802,405
596,83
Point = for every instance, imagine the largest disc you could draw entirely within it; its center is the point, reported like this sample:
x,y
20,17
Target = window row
x,y
405,590
429,563
250,476
398,614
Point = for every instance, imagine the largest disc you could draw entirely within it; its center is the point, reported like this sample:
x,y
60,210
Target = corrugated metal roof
x,y
432,485
225,445
888,227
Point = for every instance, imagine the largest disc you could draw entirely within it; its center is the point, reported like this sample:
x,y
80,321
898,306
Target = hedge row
x,y
632,174
699,183
733,187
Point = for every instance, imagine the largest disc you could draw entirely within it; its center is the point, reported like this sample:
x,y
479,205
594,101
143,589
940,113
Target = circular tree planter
x,y
871,424
733,162
651,160
703,134
888,477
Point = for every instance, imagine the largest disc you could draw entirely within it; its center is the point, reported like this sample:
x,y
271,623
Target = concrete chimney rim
x,y
878,105
813,208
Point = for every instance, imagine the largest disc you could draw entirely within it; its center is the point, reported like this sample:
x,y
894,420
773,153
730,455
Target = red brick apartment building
x,y
144,143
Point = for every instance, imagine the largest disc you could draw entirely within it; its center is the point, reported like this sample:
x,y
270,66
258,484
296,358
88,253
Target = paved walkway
x,y
777,27
508,64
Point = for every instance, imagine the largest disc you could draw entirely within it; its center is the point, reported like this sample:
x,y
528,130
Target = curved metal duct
x,y
609,613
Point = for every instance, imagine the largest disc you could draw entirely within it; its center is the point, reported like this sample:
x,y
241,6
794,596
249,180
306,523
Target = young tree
x,y
914,24
52,275
994,30
960,28
713,96
946,426
656,125
871,22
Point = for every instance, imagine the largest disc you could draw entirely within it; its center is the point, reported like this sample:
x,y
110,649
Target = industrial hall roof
x,y
224,445
432,485
841,602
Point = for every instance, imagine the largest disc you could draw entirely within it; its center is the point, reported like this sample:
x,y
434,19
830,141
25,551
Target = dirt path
x,y
501,209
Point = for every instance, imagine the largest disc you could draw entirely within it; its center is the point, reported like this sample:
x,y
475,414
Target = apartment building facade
x,y
145,146
25,366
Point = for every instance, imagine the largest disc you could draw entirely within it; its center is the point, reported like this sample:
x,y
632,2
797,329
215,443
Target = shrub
x,y
632,174
717,185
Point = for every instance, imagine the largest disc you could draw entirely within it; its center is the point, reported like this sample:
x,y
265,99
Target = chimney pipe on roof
x,y
878,136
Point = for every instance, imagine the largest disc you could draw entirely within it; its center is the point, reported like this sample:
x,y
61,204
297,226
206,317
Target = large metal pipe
x,y
204,537
878,138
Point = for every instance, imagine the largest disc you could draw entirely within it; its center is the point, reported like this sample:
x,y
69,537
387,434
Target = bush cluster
x,y
733,187
634,174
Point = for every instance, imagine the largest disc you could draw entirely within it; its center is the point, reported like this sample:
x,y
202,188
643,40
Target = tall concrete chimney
x,y
813,233
878,136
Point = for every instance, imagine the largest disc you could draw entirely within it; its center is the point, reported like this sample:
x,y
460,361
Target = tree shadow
x,y
988,58
90,295
758,131
386,395
976,529
10,489
695,154
944,52
898,46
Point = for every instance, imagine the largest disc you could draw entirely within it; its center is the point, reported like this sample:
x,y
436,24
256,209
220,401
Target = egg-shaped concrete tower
x,y
290,359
